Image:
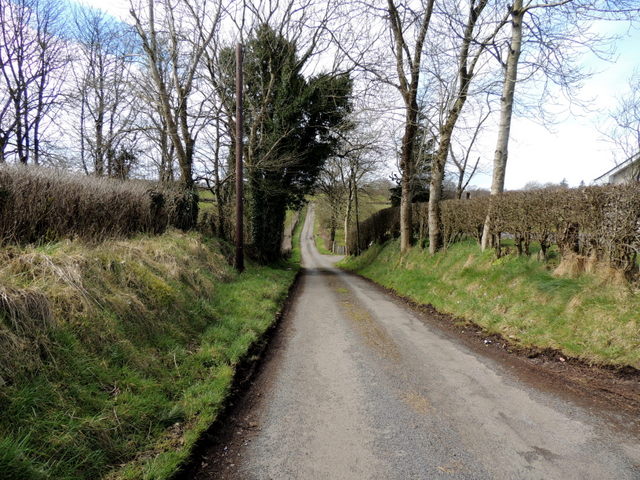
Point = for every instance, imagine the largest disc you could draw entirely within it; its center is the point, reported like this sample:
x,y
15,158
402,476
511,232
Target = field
x,y
370,203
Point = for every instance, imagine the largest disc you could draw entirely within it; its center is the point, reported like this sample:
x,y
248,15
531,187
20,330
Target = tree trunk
x,y
99,153
406,164
38,119
3,145
435,195
357,212
186,163
220,230
506,111
83,154
166,154
20,131
466,72
459,188
437,171
333,223
347,219
409,91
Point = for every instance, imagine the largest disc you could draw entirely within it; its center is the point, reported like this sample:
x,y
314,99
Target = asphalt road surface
x,y
363,388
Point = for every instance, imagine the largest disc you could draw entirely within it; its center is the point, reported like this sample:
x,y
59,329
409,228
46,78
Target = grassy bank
x,y
115,358
593,316
321,237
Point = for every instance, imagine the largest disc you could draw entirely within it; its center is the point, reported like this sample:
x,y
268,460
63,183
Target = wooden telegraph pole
x,y
239,263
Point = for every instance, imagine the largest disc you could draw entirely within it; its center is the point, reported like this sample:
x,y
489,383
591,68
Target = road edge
x,y
612,390
246,371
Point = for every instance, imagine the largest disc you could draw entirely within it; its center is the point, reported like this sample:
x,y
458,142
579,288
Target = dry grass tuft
x,y
25,320
25,311
573,266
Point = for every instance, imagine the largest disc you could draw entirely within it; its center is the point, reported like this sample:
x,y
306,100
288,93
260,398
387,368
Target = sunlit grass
x,y
138,357
319,237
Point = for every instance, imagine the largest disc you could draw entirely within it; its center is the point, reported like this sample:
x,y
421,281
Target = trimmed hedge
x,y
40,204
602,222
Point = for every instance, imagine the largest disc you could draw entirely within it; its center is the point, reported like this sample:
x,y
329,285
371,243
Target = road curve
x,y
364,389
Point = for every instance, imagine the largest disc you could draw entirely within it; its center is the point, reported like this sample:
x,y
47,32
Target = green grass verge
x,y
318,237
590,317
296,249
133,356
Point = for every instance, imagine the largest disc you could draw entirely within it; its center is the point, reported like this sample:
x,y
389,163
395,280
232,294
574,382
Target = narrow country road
x,y
362,388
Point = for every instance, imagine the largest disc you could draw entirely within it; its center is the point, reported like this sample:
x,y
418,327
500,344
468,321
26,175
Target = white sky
x,y
574,149
117,8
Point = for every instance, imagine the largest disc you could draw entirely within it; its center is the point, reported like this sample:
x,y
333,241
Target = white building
x,y
627,171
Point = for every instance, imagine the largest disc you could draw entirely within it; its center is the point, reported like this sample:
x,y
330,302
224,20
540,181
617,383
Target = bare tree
x,y
464,170
152,123
341,183
517,13
474,42
355,161
402,20
216,167
462,148
463,164
331,184
553,33
32,57
185,39
626,117
185,29
103,80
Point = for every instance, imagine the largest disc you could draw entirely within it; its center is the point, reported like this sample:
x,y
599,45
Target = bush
x,y
600,222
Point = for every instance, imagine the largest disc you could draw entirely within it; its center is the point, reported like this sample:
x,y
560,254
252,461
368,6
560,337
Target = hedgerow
x,y
40,205
601,222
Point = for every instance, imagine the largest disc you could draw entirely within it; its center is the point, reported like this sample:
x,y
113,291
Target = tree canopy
x,y
290,124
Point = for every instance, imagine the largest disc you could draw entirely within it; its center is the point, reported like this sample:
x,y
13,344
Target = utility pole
x,y
239,263
355,187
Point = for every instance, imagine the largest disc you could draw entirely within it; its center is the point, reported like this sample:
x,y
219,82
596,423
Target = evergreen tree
x,y
290,125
